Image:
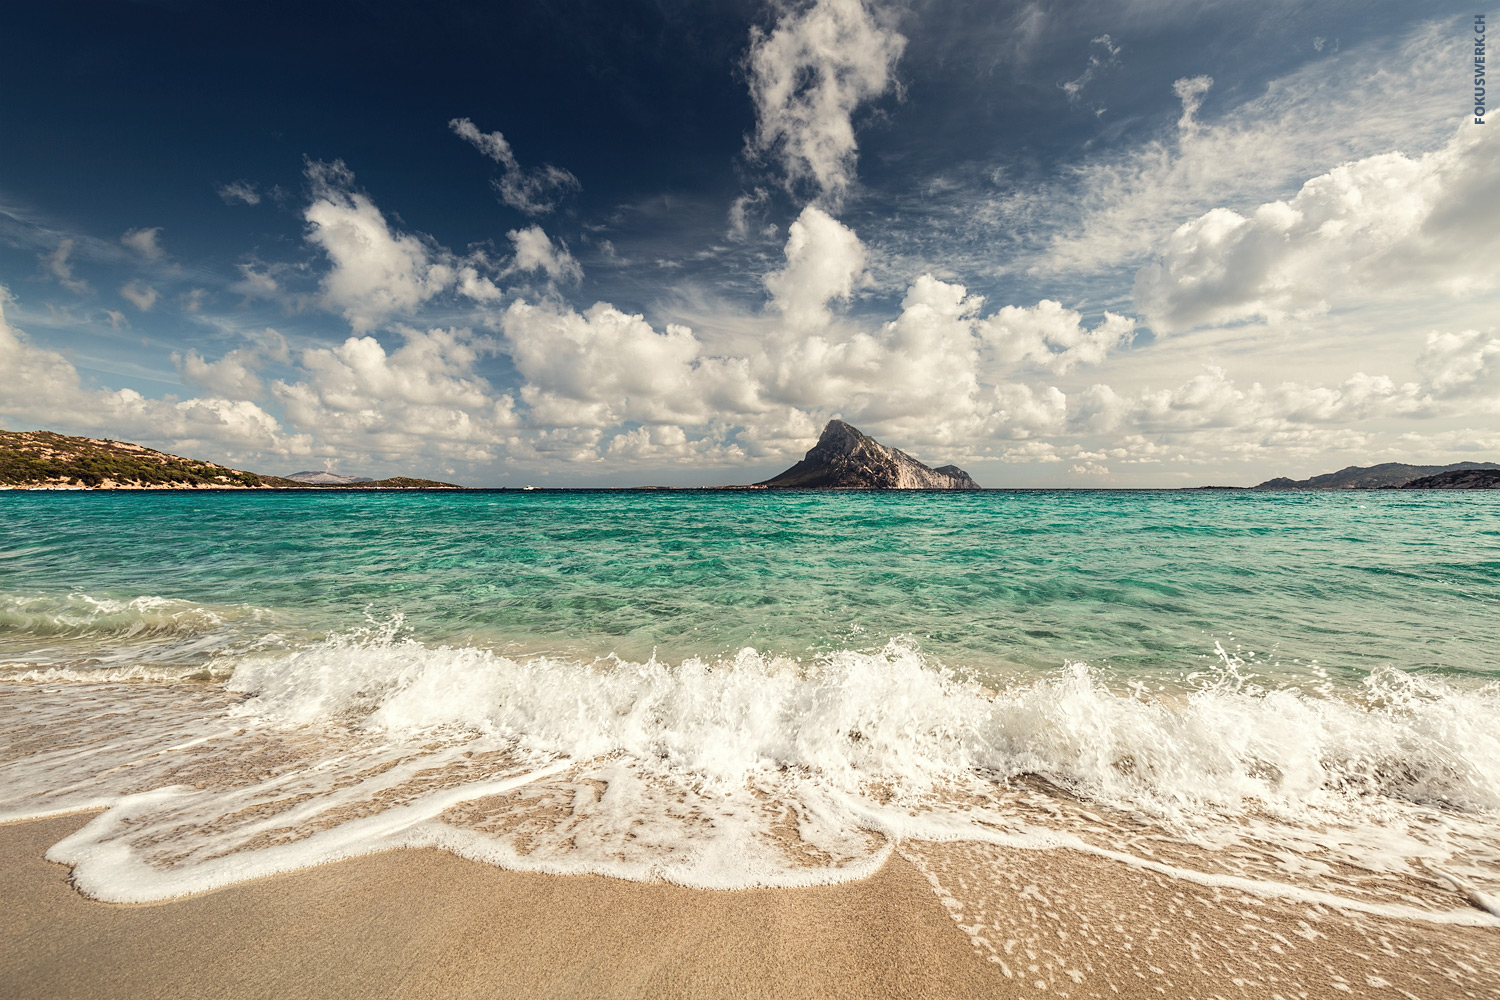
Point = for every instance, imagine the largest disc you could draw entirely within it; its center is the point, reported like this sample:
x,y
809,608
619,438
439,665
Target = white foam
x,y
757,770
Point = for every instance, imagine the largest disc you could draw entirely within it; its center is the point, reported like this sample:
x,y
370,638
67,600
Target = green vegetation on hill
x,y
45,458
32,458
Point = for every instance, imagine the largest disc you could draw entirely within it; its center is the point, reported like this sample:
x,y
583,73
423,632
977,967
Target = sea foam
x,y
755,770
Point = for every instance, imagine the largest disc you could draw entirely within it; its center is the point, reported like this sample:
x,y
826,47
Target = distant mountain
x,y
844,458
44,459
1374,477
326,478
1458,479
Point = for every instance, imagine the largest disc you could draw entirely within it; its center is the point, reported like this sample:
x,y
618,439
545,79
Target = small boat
x,y
528,487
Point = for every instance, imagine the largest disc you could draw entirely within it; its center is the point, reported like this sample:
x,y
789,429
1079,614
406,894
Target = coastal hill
x,y
844,458
44,459
326,478
1387,476
1457,479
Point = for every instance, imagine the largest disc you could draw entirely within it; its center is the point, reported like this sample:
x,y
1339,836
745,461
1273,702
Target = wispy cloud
x,y
534,191
808,75
242,192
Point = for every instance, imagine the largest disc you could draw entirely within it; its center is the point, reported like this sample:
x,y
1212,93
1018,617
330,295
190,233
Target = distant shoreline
x,y
305,490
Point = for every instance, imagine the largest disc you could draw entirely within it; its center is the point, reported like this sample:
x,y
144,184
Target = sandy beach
x,y
423,923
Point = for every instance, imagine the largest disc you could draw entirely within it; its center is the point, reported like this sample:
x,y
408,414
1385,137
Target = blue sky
x,y
1124,244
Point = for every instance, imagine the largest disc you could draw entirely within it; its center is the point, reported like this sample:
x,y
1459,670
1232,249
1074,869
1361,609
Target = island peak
x,y
847,458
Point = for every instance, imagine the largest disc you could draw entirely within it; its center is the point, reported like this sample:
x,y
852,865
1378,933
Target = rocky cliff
x,y
844,458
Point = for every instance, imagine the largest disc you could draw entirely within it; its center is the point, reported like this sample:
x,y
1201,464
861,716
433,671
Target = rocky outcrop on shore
x,y
1457,479
1374,477
844,458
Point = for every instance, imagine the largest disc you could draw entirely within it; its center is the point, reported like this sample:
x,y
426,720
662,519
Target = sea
x,y
1293,694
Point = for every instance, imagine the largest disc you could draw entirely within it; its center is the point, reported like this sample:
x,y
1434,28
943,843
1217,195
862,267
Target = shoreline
x,y
425,923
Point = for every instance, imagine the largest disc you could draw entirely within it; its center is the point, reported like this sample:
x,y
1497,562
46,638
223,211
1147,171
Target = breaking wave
x,y
745,770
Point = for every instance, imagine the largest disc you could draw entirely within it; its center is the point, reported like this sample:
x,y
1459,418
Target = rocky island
x,y
846,459
47,460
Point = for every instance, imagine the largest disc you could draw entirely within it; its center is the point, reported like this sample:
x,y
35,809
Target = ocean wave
x,y
756,770
148,637
889,718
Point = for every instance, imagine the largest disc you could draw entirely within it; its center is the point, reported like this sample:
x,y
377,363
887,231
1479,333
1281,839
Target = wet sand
x,y
423,923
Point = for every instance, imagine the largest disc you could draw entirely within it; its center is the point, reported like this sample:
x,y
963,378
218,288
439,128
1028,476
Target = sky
x,y
1143,243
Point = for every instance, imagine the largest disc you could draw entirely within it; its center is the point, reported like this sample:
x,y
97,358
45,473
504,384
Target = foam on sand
x,y
755,770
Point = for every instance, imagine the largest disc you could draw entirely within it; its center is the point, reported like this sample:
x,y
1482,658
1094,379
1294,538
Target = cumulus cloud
x,y
1050,336
234,376
603,367
825,261
377,271
145,242
534,191
940,373
536,253
239,191
807,76
1376,225
44,389
423,398
1462,365
1117,207
140,295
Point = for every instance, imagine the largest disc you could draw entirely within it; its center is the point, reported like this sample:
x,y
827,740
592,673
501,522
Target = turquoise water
x,y
1296,692
1136,583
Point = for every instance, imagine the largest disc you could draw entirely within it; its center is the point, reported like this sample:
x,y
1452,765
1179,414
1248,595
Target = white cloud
x,y
140,295
377,272
825,261
234,376
1104,54
1462,365
535,252
1116,208
1190,91
740,212
239,191
255,283
424,398
658,444
604,367
807,78
1383,224
1053,337
145,242
43,389
191,301
532,191
939,374
58,265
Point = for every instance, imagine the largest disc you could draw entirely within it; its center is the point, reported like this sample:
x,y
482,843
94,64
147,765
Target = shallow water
x,y
1290,691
